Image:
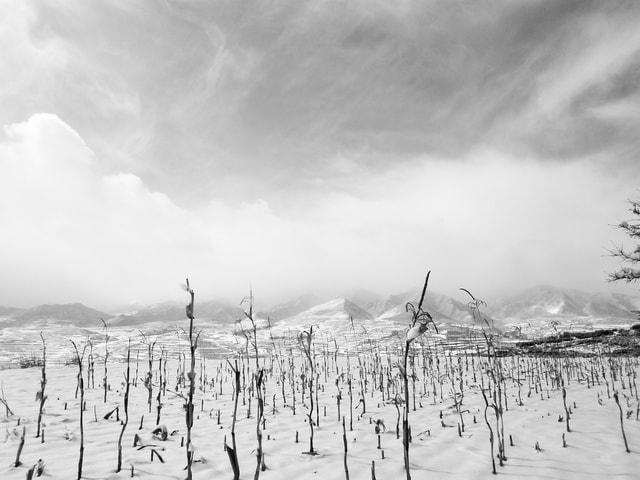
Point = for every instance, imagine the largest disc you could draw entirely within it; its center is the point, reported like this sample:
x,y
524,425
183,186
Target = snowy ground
x,y
595,447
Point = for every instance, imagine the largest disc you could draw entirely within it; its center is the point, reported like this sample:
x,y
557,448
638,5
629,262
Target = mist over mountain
x,y
172,312
6,311
533,305
333,316
364,317
291,308
547,301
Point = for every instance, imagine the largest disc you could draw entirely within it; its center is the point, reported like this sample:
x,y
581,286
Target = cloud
x,y
68,223
600,51
305,145
243,99
75,233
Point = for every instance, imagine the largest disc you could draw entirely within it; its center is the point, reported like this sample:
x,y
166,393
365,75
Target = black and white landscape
x,y
194,190
534,313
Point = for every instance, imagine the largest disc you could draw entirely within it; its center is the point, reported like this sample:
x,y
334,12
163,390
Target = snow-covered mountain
x,y
335,315
531,305
443,309
291,308
543,310
547,301
535,312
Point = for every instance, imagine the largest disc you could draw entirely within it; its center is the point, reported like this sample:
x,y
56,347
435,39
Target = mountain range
x,y
541,304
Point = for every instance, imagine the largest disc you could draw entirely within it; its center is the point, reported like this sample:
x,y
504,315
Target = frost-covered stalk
x,y
148,379
90,367
43,383
126,407
420,321
193,343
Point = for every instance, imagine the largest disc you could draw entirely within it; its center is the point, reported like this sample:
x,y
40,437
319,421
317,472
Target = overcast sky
x,y
313,146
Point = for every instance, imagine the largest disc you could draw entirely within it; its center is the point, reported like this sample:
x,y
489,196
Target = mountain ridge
x,y
538,302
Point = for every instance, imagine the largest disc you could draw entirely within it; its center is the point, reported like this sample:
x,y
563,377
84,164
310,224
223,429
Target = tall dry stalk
x,y
496,380
420,321
43,383
148,379
259,378
80,358
306,339
232,451
127,380
193,343
624,437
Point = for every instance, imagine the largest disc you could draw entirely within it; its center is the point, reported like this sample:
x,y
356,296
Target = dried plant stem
x,y
79,358
232,451
126,408
193,341
43,383
624,437
17,463
344,441
105,380
566,410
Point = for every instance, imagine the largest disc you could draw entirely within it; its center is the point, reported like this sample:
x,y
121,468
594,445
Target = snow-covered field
x,y
594,446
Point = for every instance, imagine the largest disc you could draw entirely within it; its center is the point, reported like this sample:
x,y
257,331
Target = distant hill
x,y
9,311
70,313
612,305
534,308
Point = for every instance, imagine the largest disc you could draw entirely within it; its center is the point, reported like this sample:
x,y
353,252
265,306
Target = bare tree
x,y
632,257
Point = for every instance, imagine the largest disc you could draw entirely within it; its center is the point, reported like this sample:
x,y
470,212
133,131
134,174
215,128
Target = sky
x,y
313,146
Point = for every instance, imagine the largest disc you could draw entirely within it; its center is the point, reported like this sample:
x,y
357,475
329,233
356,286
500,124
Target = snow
x,y
594,449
